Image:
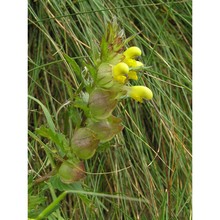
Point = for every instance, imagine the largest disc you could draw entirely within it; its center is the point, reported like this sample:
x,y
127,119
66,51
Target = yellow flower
x,y
140,92
132,52
132,62
138,63
132,75
120,72
129,54
120,79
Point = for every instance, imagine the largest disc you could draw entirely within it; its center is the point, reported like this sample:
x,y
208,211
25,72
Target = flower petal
x,y
140,92
132,52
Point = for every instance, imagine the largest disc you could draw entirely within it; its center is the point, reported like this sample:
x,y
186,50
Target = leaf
x,y
82,104
92,70
58,138
35,205
126,41
37,202
69,89
58,184
74,65
75,116
103,146
104,49
46,113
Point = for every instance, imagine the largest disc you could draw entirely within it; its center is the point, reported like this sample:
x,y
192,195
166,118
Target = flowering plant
x,y
113,69
110,74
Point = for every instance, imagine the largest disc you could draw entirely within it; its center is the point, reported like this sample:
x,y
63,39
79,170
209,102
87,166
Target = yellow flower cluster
x,y
122,72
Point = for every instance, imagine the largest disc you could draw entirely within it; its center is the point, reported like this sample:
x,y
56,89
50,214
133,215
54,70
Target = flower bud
x,y
140,92
84,143
102,103
71,172
132,52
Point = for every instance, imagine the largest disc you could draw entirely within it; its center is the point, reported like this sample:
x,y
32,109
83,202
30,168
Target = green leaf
x,y
82,104
35,205
46,113
104,49
75,116
92,71
36,202
69,89
74,65
127,40
59,185
58,138
103,146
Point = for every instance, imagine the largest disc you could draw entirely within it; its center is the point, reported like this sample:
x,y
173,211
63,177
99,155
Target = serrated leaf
x,y
92,70
46,113
75,116
82,104
58,138
35,205
58,184
35,200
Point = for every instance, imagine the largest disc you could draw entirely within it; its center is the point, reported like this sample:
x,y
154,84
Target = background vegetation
x,y
146,172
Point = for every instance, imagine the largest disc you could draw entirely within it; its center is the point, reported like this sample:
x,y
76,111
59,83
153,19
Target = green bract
x,y
102,103
104,75
106,129
84,143
71,172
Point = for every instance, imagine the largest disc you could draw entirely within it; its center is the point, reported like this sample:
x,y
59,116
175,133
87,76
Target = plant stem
x,y
51,207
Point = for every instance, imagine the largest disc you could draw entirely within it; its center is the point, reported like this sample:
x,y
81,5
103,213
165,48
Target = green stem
x,y
51,207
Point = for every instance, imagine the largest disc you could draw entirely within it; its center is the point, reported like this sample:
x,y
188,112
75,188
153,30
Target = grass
x,y
147,171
